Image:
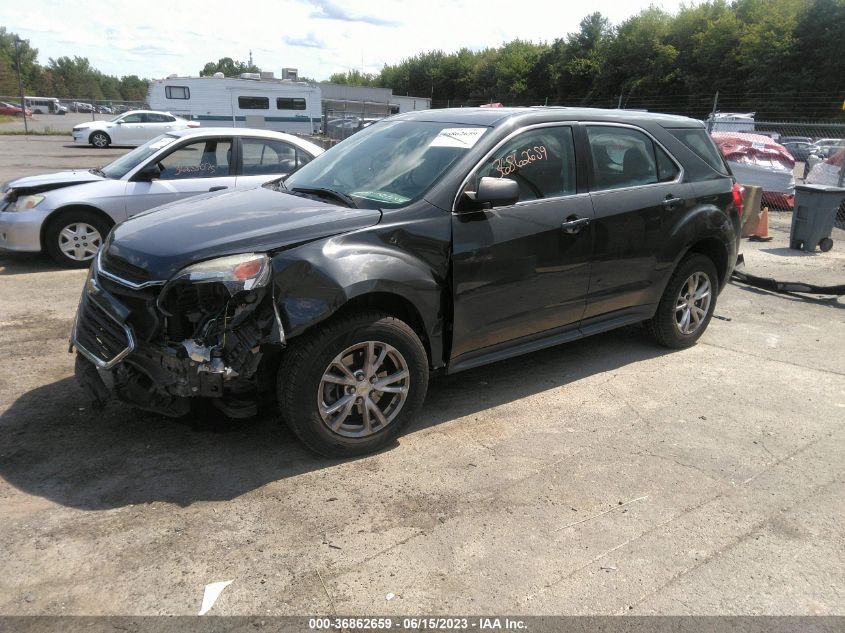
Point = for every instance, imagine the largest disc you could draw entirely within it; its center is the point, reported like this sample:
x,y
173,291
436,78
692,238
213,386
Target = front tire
x,y
687,304
100,140
73,238
351,386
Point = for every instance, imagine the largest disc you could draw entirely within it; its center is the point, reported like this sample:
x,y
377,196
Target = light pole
x,y
17,41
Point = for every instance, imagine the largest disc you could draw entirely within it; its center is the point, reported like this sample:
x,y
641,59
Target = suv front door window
x,y
517,270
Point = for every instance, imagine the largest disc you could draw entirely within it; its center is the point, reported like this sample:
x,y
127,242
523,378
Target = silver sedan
x,y
68,214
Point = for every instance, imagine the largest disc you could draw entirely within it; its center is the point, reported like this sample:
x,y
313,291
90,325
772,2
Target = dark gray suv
x,y
431,241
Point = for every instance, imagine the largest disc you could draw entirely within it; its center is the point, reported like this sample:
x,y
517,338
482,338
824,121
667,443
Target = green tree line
x,y
777,57
65,77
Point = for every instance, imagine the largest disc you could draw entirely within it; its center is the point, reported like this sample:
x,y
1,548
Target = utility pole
x,y
712,118
17,41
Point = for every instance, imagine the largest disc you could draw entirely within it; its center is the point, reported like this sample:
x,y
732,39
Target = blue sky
x,y
319,37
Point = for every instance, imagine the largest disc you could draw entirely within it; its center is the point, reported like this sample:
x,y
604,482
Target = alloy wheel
x,y
363,389
692,303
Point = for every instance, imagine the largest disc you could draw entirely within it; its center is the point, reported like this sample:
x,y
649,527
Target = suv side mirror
x,y
148,173
496,192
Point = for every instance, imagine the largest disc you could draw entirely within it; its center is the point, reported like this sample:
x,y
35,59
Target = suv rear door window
x,y
541,161
623,157
699,141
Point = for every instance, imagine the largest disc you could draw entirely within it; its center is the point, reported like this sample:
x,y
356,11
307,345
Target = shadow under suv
x,y
432,241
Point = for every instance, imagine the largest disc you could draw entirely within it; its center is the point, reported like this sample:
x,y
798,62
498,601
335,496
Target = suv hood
x,y
166,239
56,180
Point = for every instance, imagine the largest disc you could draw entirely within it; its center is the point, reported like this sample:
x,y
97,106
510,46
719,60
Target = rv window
x,y
177,92
286,103
254,103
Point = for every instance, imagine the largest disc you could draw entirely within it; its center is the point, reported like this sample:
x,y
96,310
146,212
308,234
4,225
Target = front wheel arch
x,y
56,216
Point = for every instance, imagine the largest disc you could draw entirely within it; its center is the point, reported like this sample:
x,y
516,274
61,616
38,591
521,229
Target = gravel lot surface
x,y
606,476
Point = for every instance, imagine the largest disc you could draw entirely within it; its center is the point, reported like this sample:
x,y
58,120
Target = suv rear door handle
x,y
574,224
221,188
671,203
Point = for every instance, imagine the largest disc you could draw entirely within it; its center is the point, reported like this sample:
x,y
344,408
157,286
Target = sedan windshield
x,y
389,164
128,162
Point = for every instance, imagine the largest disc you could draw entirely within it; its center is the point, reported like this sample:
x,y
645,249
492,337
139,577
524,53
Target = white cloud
x,y
318,37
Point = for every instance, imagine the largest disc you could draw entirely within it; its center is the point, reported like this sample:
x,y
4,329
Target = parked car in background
x,y
800,150
132,128
432,241
795,139
68,214
10,109
102,109
827,147
78,106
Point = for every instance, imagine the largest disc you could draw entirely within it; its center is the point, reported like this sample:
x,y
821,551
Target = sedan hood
x,y
56,180
167,239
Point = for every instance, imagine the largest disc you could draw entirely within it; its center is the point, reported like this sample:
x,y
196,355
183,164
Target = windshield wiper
x,y
97,172
324,192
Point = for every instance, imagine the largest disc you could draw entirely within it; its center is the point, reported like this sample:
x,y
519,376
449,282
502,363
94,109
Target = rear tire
x,y
329,392
73,238
100,140
687,304
825,244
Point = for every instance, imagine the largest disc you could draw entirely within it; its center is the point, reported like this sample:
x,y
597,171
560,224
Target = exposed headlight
x,y
236,272
25,202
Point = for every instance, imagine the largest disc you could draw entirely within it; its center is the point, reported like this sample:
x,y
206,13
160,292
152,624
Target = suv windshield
x,y
128,162
389,164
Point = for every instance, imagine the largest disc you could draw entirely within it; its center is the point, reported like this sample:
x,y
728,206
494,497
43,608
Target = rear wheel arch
x,y
716,251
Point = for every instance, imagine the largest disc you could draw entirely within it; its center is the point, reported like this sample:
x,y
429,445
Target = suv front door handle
x,y
671,202
574,224
221,188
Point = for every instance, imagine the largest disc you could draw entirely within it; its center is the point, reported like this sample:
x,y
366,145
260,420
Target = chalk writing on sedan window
x,y
194,169
517,160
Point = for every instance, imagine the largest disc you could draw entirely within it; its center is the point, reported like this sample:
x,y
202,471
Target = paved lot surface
x,y
605,476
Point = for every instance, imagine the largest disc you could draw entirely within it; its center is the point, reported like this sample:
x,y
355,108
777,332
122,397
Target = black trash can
x,y
813,216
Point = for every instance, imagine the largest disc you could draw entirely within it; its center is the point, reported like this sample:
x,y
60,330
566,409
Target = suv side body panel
x,y
406,256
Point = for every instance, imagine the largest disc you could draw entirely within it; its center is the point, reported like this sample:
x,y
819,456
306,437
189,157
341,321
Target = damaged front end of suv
x,y
156,344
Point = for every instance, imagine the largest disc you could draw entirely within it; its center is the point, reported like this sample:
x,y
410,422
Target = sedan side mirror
x,y
119,122
496,192
148,173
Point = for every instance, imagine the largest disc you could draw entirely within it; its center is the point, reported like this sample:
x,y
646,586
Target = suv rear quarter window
x,y
699,141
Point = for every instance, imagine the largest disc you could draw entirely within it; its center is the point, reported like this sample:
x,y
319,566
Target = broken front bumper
x,y
120,354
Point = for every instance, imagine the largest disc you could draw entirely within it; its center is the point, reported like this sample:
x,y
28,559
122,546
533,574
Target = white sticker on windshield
x,y
464,137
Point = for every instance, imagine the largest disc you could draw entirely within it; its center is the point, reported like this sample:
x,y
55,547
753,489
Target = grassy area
x,y
5,118
47,131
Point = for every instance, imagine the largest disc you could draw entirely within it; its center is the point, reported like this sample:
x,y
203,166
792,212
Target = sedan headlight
x,y
237,272
23,203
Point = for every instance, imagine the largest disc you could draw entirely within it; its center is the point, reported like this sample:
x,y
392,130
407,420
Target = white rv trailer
x,y
250,100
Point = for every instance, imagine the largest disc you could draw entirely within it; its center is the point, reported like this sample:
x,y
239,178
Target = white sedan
x,y
135,127
68,214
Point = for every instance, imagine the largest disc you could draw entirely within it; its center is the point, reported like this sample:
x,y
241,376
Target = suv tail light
x,y
737,195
